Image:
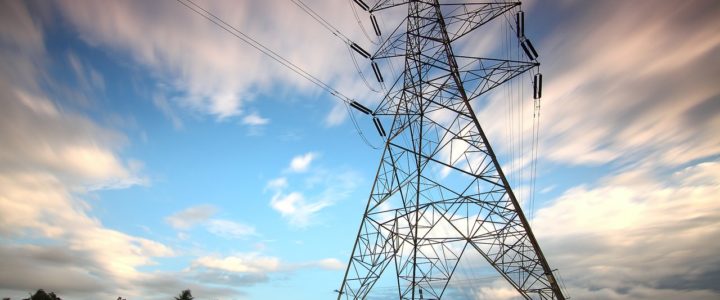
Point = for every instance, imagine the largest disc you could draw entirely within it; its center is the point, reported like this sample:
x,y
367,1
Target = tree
x,y
42,295
185,295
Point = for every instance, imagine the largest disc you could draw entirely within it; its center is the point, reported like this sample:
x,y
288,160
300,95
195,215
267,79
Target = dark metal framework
x,y
439,192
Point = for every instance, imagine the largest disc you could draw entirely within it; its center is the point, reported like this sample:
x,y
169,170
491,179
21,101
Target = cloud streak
x,y
51,157
191,216
255,263
203,215
617,93
320,189
230,229
296,209
638,236
218,74
255,119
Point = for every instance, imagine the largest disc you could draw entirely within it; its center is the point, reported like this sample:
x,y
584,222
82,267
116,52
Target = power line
x,y
278,58
260,47
336,32
360,24
321,20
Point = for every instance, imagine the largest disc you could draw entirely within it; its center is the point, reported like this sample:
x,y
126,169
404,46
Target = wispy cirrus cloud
x,y
254,119
638,235
296,208
633,90
277,183
215,73
618,91
635,97
191,216
52,157
204,215
230,229
320,189
623,95
256,263
168,110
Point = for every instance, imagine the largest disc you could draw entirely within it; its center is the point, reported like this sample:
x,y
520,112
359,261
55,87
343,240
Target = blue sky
x,y
146,151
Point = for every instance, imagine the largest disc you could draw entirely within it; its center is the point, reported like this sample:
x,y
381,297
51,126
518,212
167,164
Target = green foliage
x,y
185,295
42,295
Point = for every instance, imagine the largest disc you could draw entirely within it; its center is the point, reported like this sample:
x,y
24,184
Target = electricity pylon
x,y
439,192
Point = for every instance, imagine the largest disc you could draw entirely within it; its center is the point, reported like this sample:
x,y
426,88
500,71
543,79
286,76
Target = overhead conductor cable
x,y
286,63
351,45
260,47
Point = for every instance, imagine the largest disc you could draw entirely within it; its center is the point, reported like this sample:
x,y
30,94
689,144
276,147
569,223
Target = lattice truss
x,y
439,193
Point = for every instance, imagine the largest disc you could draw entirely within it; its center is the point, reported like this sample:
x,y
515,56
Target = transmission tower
x,y
439,192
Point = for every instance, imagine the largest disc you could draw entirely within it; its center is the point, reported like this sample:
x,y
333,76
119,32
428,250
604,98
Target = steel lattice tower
x,y
439,192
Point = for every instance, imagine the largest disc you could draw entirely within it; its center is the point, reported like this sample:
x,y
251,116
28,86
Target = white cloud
x,y
183,236
241,263
201,215
337,115
257,263
277,184
638,235
301,163
191,216
617,96
230,229
296,209
668,252
88,78
255,119
72,145
286,204
330,264
38,206
299,209
547,189
647,231
166,109
51,157
216,73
